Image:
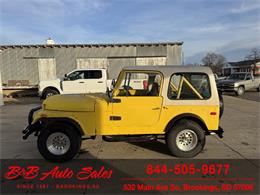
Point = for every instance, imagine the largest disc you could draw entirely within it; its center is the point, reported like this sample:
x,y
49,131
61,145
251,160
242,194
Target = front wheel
x,y
240,91
49,93
258,88
186,139
59,143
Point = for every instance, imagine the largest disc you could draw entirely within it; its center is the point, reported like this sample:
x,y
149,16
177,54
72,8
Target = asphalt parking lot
x,y
240,123
249,95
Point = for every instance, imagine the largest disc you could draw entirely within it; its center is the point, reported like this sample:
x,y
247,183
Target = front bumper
x,y
227,89
32,128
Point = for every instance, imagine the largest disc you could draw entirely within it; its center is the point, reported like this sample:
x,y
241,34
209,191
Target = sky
x,y
227,27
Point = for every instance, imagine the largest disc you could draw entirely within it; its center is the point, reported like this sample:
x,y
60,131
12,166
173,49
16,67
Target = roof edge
x,y
91,45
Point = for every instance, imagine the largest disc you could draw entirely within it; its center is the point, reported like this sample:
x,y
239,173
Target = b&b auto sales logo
x,y
34,172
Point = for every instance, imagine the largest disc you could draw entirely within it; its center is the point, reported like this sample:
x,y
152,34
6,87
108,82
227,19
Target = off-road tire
x,y
50,92
70,132
172,134
240,91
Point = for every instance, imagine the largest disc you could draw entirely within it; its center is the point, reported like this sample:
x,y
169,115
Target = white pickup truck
x,y
79,81
82,81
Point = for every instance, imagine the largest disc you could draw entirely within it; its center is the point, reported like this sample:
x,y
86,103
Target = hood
x,y
75,103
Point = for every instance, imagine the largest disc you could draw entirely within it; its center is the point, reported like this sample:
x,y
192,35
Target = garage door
x,y
151,61
47,69
92,63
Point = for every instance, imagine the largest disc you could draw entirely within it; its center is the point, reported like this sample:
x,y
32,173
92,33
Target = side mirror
x,y
65,77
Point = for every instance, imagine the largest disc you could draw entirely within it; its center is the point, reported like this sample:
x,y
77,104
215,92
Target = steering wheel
x,y
127,88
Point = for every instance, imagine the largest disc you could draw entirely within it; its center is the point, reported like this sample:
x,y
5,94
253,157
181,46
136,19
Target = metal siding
x,y
107,51
122,51
79,52
115,65
46,52
20,63
151,51
174,55
152,61
15,67
31,71
10,69
91,52
1,89
5,67
1,70
65,60
31,64
92,63
47,69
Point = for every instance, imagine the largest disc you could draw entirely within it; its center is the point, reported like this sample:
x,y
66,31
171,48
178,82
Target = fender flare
x,y
69,121
50,87
188,116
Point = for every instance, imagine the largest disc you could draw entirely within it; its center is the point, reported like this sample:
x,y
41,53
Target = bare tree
x,y
214,61
193,64
254,55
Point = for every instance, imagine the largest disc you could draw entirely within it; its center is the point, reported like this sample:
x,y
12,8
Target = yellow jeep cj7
x,y
178,103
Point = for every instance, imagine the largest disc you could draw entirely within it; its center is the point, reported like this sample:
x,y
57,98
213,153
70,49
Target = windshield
x,y
237,76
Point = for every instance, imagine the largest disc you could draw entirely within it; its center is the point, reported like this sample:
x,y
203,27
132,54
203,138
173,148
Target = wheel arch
x,y
51,88
67,121
187,116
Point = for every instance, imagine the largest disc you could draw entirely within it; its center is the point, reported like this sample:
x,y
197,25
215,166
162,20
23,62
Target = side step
x,y
129,138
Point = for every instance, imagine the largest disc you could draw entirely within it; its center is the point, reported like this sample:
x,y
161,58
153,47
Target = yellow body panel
x,y
138,116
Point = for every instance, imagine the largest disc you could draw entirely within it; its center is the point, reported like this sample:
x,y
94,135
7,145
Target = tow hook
x,y
34,128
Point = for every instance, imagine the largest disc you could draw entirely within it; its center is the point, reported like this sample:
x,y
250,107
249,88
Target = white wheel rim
x,y
58,143
186,140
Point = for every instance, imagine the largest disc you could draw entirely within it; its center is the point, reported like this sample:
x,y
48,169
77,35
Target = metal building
x,y
28,64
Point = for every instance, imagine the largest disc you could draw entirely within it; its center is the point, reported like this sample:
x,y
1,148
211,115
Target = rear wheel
x,y
59,142
50,92
186,139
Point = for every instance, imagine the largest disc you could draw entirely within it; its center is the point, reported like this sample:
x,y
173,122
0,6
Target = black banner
x,y
107,176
